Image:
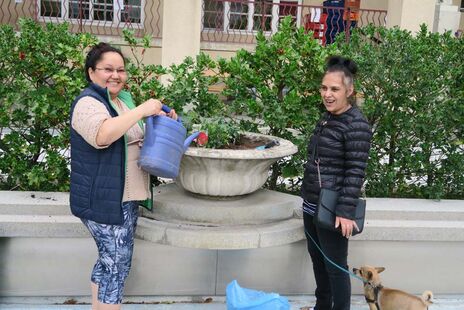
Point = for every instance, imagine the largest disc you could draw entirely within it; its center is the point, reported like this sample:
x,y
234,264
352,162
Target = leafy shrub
x,y
186,90
221,131
413,88
41,72
186,87
277,86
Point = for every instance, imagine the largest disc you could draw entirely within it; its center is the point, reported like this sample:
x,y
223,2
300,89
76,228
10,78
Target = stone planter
x,y
221,172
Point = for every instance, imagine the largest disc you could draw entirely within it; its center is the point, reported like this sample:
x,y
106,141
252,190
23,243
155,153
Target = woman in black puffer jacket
x,y
337,157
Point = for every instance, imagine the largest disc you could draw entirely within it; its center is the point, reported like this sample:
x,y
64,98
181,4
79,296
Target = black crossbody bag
x,y
325,212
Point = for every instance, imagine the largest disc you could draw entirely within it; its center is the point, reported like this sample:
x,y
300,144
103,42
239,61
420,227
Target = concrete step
x,y
48,226
55,203
220,237
46,203
414,209
173,204
230,237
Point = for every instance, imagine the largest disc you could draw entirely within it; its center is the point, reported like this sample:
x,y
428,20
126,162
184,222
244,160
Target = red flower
x,y
22,55
202,139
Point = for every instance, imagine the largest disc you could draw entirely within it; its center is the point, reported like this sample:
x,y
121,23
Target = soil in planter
x,y
246,143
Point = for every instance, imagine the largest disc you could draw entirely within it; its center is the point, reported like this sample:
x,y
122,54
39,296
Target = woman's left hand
x,y
346,226
172,114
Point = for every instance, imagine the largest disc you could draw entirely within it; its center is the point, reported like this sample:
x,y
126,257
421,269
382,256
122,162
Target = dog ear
x,y
379,269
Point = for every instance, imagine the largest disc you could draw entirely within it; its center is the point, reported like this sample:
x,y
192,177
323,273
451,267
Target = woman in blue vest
x,y
107,186
337,157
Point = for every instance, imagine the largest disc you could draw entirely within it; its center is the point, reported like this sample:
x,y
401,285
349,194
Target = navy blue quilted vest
x,y
97,175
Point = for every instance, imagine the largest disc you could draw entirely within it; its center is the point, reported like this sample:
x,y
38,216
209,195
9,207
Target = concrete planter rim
x,y
285,148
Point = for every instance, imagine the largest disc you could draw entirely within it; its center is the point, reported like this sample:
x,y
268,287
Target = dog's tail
x,y
427,297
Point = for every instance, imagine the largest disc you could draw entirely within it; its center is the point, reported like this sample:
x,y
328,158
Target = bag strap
x,y
316,147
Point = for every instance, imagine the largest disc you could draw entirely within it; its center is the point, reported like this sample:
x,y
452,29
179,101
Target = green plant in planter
x,y
186,91
187,83
41,72
277,87
220,131
413,88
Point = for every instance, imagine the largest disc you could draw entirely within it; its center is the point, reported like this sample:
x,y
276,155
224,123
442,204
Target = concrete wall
x,y
410,14
62,266
44,251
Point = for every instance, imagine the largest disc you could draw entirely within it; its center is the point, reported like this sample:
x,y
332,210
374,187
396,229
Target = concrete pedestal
x,y
260,219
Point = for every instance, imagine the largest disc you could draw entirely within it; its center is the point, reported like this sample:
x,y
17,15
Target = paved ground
x,y
443,302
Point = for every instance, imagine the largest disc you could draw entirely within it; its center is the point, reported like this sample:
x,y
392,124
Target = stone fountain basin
x,y
225,172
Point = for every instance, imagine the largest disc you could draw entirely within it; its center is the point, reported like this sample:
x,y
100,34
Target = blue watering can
x,y
163,145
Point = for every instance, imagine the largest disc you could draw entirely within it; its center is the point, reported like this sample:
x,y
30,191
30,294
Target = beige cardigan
x,y
89,114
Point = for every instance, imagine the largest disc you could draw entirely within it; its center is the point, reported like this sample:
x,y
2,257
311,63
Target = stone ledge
x,y
231,237
38,214
238,237
41,226
415,209
408,230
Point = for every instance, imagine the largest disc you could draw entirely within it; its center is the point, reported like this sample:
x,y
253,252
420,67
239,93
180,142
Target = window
x,y
238,15
213,14
111,11
262,15
248,15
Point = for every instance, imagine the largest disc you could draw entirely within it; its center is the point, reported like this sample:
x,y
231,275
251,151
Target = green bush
x,y
277,86
186,90
186,87
413,88
41,72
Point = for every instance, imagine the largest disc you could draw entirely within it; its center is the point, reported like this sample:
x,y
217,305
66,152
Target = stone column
x,y
447,17
410,14
181,30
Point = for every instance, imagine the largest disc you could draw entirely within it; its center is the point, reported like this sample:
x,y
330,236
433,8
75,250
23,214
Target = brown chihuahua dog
x,y
383,298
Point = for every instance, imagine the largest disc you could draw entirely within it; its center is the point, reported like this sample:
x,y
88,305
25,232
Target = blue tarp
x,y
238,298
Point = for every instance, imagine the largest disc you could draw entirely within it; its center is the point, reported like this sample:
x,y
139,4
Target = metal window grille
x,y
237,21
112,11
248,15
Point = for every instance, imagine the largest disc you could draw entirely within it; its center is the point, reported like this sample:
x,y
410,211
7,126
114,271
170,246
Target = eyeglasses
x,y
110,71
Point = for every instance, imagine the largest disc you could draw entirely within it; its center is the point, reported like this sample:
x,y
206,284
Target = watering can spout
x,y
189,140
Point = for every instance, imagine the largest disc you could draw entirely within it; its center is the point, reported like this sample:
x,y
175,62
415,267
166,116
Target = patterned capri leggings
x,y
115,247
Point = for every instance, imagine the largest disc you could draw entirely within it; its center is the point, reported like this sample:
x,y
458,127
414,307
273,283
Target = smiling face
x,y
109,73
335,92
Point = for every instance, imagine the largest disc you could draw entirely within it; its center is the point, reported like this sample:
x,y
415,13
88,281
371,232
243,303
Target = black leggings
x,y
333,286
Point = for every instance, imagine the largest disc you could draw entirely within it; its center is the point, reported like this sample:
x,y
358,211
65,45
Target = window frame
x,y
250,17
118,7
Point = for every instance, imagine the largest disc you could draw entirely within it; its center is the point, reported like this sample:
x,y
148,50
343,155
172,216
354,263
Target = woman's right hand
x,y
151,107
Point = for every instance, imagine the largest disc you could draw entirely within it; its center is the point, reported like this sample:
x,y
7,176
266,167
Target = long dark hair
x,y
95,55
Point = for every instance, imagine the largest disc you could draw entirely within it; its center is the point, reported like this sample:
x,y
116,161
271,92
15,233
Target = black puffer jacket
x,y
342,143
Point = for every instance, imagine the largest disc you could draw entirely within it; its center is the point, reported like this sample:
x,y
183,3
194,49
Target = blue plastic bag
x,y
238,298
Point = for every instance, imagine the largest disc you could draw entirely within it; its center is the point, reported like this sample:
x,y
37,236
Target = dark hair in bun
x,y
96,54
341,64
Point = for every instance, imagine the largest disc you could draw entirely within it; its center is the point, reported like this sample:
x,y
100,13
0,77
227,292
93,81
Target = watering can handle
x,y
167,109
